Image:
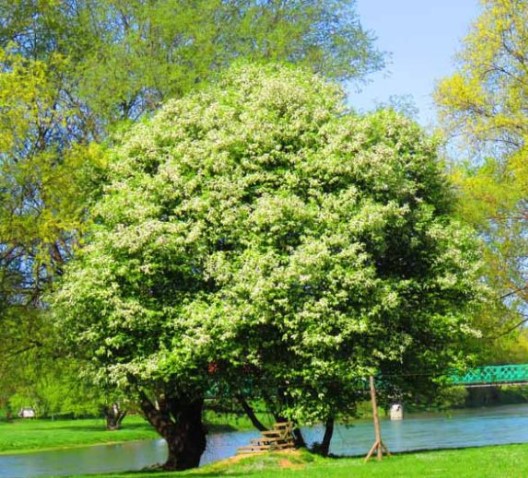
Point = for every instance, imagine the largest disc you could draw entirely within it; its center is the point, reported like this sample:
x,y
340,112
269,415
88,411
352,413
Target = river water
x,y
463,428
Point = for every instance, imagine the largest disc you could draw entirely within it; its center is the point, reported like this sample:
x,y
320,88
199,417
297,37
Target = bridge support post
x,y
378,447
396,411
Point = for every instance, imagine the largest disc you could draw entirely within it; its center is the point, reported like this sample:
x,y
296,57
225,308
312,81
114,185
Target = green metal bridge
x,y
491,375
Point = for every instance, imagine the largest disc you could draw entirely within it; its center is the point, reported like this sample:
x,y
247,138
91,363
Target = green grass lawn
x,y
29,435
488,462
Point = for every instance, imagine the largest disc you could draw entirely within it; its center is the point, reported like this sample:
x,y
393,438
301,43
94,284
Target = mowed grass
x,y
509,461
29,435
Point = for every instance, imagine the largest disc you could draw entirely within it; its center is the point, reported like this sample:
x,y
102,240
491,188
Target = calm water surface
x,y
489,426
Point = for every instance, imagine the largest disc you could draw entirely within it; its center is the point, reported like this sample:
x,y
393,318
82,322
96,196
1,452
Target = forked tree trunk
x,y
114,416
179,422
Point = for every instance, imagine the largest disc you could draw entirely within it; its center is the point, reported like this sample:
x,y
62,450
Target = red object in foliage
x,y
212,367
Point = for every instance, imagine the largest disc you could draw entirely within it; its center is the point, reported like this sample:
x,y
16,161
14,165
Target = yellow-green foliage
x,y
486,96
47,180
484,106
44,181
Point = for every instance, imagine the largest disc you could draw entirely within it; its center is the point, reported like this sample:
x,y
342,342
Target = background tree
x,y
257,239
483,107
45,188
128,57
71,72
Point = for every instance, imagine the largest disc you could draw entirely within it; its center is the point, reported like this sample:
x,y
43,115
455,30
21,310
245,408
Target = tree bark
x,y
114,416
327,438
179,422
251,414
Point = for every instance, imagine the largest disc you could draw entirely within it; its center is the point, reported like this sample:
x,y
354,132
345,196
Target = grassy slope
x,y
488,462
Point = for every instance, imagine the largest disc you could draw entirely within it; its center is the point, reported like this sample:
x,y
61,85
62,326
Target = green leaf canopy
x,y
258,233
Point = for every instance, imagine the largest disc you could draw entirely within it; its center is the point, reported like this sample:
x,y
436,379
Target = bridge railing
x,y
492,374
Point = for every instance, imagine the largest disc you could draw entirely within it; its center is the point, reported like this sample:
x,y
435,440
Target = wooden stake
x,y
378,446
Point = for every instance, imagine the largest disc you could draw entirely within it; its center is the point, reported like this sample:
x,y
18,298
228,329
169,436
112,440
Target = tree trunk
x,y
179,422
327,438
251,414
298,438
114,416
188,442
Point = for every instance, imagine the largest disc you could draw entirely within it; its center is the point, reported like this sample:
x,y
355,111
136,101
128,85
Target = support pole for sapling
x,y
378,447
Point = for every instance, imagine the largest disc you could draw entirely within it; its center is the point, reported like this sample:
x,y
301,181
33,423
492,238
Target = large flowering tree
x,y
258,238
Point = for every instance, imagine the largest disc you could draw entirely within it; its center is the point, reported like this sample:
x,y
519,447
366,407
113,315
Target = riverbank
x,y
509,461
30,435
494,428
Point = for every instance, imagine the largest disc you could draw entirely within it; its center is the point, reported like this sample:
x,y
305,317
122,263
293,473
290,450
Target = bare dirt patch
x,y
285,463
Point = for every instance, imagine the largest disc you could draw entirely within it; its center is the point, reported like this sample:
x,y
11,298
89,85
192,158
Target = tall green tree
x,y
255,238
483,108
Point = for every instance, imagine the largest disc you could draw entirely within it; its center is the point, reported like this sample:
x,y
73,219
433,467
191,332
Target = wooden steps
x,y
280,437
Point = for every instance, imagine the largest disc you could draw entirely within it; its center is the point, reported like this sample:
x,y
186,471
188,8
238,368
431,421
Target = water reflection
x,y
464,428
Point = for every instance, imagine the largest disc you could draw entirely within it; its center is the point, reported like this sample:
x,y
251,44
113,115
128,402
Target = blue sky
x,y
423,37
